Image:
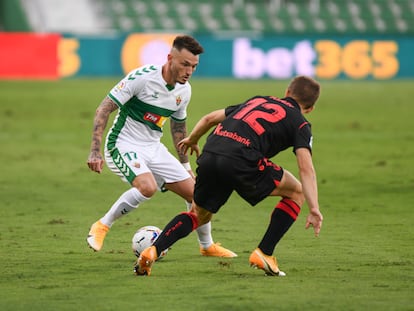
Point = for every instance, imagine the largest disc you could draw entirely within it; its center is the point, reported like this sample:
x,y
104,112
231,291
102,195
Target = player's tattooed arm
x,y
179,132
95,160
103,111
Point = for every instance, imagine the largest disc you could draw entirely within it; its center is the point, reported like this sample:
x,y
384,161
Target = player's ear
x,y
307,110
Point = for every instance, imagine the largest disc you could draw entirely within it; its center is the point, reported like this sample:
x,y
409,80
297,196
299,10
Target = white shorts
x,y
128,161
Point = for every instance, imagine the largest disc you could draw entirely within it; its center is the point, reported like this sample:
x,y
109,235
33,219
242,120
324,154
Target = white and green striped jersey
x,y
145,102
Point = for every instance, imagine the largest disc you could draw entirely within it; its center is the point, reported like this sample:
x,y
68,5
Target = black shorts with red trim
x,y
218,176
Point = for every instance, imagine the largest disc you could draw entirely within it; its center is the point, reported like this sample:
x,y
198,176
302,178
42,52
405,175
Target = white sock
x,y
128,201
204,232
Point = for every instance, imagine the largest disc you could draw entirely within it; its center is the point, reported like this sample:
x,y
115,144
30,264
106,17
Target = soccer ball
x,y
144,237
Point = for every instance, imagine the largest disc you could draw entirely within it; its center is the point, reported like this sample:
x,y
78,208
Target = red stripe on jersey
x,y
303,124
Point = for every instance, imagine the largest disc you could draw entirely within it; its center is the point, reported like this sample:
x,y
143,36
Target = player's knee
x,y
183,188
297,195
147,188
299,198
188,197
203,216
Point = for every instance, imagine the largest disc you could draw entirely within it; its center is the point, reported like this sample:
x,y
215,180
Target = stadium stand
x,y
256,16
65,16
264,16
12,17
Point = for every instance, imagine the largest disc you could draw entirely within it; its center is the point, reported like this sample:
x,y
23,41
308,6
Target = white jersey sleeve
x,y
131,85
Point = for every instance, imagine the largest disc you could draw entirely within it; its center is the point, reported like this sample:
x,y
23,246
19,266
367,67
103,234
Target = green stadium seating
x,y
261,16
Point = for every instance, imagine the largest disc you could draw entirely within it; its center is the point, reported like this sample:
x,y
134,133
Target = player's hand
x,y
314,219
95,162
186,144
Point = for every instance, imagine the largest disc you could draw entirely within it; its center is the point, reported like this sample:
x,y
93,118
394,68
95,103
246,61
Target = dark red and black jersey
x,y
262,126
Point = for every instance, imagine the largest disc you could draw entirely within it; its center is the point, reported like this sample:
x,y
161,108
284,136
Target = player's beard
x,y
184,80
181,82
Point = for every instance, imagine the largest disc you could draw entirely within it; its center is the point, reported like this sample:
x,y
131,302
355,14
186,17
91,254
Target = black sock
x,y
179,227
280,222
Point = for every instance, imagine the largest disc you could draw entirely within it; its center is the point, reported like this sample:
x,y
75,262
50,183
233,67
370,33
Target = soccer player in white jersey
x,y
145,99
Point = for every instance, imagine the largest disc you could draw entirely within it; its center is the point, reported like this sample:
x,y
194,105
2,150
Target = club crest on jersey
x,y
178,100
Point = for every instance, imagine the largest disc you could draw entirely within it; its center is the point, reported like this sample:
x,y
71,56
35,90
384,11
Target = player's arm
x,y
310,189
179,132
95,160
202,126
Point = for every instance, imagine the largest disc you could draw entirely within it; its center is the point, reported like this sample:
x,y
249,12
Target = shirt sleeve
x,y
230,109
128,87
304,137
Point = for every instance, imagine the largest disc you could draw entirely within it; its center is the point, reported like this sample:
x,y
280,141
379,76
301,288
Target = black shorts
x,y
218,176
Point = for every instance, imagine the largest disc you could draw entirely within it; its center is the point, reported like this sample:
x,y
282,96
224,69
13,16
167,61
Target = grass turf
x,y
363,259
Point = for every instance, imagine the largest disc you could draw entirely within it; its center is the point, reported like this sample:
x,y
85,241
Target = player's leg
x,y
179,181
182,225
124,164
185,189
178,228
211,191
282,218
285,213
263,178
143,188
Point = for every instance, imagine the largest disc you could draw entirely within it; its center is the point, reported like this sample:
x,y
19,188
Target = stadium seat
x,y
263,16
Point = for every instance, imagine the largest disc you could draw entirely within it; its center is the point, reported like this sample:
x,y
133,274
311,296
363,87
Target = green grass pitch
x,y
363,259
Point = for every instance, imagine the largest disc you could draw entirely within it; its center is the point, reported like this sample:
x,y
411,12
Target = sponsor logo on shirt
x,y
232,135
155,118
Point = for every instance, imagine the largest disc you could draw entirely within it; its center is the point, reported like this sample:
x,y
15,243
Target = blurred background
x,y
58,60
245,39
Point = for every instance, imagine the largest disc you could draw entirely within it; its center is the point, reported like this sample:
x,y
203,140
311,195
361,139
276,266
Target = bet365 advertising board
x,y
54,56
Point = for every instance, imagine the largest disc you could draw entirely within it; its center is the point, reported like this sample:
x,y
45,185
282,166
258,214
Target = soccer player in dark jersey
x,y
236,158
